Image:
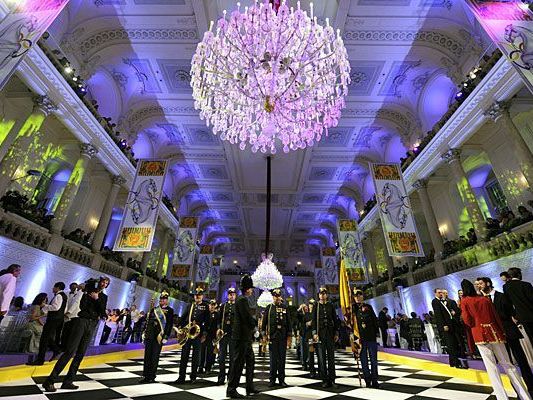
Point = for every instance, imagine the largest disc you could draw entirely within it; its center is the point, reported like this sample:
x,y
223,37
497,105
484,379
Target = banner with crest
x,y
329,266
214,275
21,28
319,278
352,254
139,220
510,26
395,211
205,264
184,249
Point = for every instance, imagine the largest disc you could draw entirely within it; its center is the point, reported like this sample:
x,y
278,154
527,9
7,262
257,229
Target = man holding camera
x,y
92,308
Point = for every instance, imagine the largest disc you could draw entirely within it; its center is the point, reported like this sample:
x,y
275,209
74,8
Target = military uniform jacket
x,y
325,321
212,324
154,328
227,316
276,322
367,322
198,313
244,323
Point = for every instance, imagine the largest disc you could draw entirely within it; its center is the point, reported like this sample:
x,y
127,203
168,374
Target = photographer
x,y
92,308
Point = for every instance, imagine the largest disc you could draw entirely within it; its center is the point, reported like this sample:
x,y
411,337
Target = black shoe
x,y
368,383
146,380
69,385
35,362
374,385
333,385
49,387
312,375
233,394
221,382
283,384
180,381
55,356
200,371
461,366
272,384
326,385
193,380
252,391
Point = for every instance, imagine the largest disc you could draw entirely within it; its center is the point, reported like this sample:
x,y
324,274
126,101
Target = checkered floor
x,y
118,380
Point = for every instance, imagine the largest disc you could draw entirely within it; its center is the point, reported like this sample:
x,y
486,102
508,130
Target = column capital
x,y
420,184
44,104
88,150
452,155
497,110
118,180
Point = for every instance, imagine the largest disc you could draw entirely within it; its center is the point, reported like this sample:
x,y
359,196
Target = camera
x,y
92,285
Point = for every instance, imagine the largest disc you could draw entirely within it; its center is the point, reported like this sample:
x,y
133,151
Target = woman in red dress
x,y
479,314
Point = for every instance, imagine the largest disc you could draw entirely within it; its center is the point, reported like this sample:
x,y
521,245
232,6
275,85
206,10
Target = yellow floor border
x,y
19,372
472,375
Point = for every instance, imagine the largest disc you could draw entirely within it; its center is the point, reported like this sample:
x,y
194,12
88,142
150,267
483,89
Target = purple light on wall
x,y
143,147
112,228
303,291
436,98
395,149
478,176
289,290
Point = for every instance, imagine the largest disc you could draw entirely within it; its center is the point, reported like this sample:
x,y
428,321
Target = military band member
x,y
207,355
196,313
242,337
368,331
225,326
277,327
158,328
308,318
325,327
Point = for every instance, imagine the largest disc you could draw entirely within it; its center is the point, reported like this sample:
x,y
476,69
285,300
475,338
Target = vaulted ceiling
x,y
406,56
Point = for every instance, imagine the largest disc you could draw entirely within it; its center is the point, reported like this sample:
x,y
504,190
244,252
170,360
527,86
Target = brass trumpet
x,y
190,331
216,341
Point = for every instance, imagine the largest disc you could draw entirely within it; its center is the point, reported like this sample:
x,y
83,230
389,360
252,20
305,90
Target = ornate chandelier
x,y
266,276
264,299
270,75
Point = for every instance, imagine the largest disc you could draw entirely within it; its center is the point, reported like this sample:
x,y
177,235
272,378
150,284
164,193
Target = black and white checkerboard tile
x,y
119,380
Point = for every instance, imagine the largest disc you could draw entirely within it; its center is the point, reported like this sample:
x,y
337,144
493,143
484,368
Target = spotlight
x,y
459,95
75,79
68,69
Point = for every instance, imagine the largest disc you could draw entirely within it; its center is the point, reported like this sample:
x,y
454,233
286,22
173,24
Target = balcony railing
x,y
76,252
20,229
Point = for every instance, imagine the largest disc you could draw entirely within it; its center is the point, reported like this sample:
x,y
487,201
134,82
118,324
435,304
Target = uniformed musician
x,y
196,313
207,355
158,328
277,327
308,318
325,327
225,323
368,330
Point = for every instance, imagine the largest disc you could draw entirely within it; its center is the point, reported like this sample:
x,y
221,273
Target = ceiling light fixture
x,y
270,76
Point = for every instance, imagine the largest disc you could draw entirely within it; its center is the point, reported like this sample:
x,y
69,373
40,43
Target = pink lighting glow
x,y
269,77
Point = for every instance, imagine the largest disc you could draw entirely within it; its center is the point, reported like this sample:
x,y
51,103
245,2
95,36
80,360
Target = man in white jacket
x,y
8,282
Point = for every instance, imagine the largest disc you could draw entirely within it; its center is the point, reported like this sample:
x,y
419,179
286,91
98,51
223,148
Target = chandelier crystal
x,y
264,299
266,276
270,75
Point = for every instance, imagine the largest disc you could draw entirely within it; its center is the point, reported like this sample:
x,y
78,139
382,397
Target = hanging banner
x,y
214,275
352,252
205,264
21,28
395,211
510,25
138,224
184,249
329,266
319,278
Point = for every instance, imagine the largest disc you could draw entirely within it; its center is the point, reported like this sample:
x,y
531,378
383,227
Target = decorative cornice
x,y
439,39
118,180
406,121
88,150
451,156
44,104
133,119
108,37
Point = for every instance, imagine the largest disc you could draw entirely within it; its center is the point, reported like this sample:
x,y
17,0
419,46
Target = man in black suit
x,y
520,295
447,315
512,333
383,325
242,336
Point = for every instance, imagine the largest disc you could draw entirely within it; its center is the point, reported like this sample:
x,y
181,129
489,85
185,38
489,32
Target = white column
x,y
421,187
105,217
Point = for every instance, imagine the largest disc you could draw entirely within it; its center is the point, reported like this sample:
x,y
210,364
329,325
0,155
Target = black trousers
x,y
242,354
311,361
152,351
82,332
453,341
225,350
277,352
528,327
326,358
196,346
126,333
67,331
521,359
384,336
136,333
105,334
49,338
207,354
